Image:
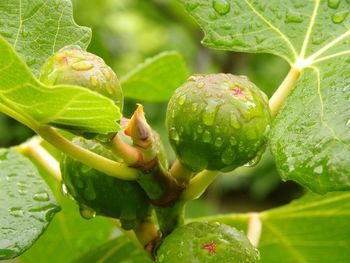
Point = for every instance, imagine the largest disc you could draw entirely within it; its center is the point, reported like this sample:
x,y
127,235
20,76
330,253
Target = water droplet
x,y
209,113
41,196
226,26
218,142
339,17
318,169
293,18
228,156
86,212
213,16
234,121
82,65
199,129
65,192
160,258
206,136
182,100
348,123
106,73
94,81
192,5
10,176
253,162
333,3
221,6
200,85
16,212
233,141
173,134
194,106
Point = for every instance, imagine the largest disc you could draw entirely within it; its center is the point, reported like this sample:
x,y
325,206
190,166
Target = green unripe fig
x,y
217,122
206,243
74,66
98,193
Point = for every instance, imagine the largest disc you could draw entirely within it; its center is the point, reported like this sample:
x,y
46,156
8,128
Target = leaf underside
x,y
26,204
38,28
311,229
310,138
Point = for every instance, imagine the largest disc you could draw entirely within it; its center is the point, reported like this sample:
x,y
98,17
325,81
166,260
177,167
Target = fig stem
x,y
181,173
121,149
89,158
198,185
281,94
146,232
33,149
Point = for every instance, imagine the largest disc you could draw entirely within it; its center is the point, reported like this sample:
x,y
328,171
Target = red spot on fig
x,y
210,247
238,92
64,60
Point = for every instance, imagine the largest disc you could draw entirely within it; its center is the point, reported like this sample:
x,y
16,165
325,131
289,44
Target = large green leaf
x,y
70,107
38,28
69,235
119,249
156,79
311,135
311,229
26,204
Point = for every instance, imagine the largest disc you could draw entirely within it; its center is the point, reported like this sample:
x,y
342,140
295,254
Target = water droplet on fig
x,y
194,106
41,196
200,85
253,162
86,212
82,65
228,156
218,142
339,17
209,113
221,6
173,134
182,100
94,81
106,73
207,137
234,121
318,169
65,192
233,141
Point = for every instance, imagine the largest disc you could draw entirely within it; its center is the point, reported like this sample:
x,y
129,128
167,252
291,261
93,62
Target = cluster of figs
x,y
214,121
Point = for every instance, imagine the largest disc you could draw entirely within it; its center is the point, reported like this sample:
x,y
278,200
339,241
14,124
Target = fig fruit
x,y
206,243
217,122
74,66
98,193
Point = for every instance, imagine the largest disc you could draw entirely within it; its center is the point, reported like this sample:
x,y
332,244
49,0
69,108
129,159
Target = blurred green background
x,y
125,33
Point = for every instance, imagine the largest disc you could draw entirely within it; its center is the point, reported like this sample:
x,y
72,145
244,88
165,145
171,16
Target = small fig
x,y
100,194
217,122
206,243
72,65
